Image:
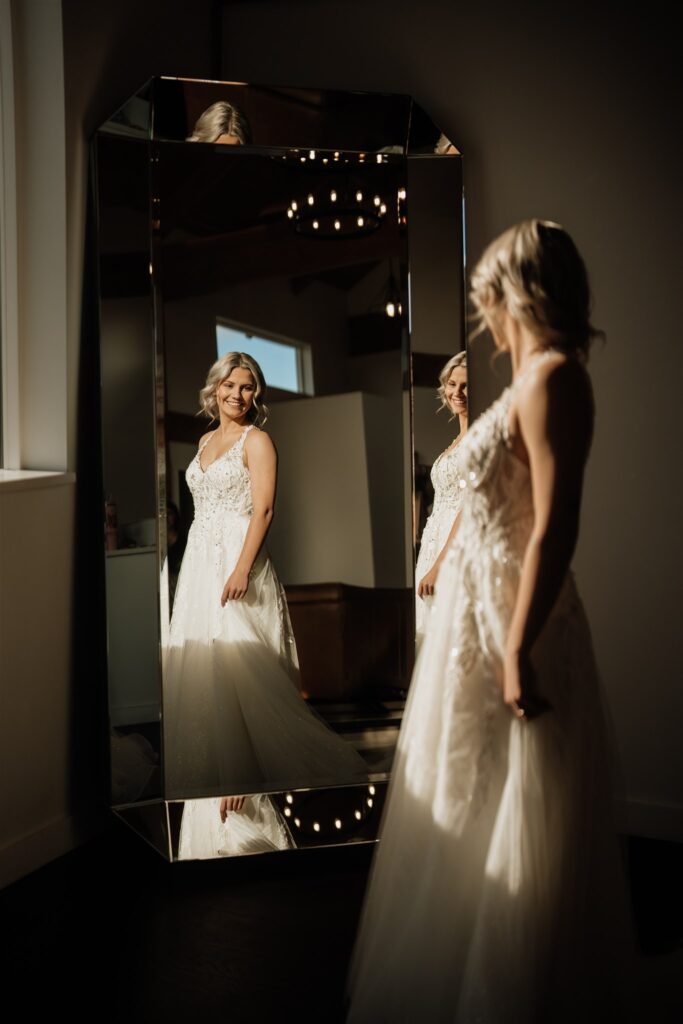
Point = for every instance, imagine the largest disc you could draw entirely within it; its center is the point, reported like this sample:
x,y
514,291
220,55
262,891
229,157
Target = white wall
x,y
567,113
36,557
110,48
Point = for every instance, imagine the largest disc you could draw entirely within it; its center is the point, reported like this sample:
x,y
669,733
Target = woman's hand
x,y
519,688
230,803
236,587
428,582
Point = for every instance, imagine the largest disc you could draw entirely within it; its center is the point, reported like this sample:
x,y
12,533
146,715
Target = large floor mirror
x,y
320,234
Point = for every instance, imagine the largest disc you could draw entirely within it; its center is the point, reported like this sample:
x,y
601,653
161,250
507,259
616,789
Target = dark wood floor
x,y
113,932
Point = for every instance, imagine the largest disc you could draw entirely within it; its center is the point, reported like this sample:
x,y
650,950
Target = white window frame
x,y
303,349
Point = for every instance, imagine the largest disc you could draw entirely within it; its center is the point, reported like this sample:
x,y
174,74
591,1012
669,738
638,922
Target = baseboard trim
x,y
22,856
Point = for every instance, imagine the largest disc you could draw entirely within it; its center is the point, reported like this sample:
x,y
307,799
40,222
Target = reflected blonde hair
x,y
220,118
535,272
459,359
442,144
221,369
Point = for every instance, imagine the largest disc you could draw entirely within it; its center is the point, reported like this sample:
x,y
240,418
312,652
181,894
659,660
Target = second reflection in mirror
x,y
449,484
234,717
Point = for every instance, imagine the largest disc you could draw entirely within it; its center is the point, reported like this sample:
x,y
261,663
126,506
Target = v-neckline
x,y
222,454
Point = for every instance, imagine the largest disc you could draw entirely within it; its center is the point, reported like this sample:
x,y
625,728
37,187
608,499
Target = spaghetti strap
x,y
205,441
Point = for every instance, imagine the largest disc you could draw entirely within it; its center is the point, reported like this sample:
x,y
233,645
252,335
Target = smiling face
x,y
235,394
455,391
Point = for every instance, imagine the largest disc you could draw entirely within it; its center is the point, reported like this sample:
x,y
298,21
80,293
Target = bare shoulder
x,y
259,443
205,437
560,383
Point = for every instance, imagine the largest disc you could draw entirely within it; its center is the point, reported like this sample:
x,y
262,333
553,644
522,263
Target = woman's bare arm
x,y
428,581
554,415
262,460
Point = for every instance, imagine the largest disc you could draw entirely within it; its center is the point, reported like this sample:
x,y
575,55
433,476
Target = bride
x,y
496,892
448,492
234,720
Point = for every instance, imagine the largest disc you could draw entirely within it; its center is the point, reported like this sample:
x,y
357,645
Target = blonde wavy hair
x,y
221,118
535,272
459,359
222,368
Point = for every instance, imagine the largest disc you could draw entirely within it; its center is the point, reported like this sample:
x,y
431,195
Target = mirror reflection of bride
x,y
234,720
448,493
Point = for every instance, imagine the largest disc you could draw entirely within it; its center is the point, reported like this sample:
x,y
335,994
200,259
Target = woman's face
x,y
456,391
235,394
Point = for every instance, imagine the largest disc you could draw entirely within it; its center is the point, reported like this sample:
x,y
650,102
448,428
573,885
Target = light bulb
x,y
361,222
359,196
357,815
312,154
316,826
333,196
294,205
383,208
379,158
288,811
391,311
311,200
377,200
290,213
369,801
337,225
297,822
315,225
401,193
371,790
337,823
289,798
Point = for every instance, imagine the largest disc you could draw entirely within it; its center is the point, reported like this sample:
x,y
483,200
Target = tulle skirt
x,y
257,828
234,720
496,892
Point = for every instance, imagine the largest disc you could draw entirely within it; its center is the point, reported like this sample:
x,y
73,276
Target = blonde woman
x,y
234,721
496,891
448,493
222,123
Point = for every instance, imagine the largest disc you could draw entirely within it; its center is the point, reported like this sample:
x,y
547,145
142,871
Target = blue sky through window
x,y
279,362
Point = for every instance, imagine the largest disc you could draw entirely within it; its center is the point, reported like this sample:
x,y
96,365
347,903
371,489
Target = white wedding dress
x,y
496,894
234,720
448,484
258,827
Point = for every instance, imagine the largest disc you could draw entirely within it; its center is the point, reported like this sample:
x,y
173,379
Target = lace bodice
x,y
224,486
496,485
447,481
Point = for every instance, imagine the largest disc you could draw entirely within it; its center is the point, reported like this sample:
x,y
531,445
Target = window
x,y
286,364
